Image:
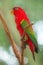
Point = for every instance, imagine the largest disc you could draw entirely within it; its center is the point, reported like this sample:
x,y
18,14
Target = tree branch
x,y
10,38
22,53
20,56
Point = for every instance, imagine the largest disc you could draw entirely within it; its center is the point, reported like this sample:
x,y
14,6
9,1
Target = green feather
x,y
29,31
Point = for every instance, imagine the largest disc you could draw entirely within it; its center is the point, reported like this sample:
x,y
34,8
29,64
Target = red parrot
x,y
20,15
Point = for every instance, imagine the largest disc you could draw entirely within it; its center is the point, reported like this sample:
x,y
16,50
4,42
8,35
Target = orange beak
x,y
12,12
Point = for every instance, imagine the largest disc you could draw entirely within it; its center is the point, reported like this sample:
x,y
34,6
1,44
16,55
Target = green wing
x,y
30,32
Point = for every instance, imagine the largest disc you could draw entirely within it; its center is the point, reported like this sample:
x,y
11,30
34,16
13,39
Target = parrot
x,y
25,29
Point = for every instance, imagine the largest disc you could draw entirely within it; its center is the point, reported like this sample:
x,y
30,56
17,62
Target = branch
x,y
20,56
10,38
28,25
22,53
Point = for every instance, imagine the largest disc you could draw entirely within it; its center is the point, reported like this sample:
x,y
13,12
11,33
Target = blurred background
x,y
34,10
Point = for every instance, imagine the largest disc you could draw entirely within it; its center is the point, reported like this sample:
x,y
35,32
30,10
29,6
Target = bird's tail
x,y
36,49
33,56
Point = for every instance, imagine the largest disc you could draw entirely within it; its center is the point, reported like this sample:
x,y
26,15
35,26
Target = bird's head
x,y
17,11
19,14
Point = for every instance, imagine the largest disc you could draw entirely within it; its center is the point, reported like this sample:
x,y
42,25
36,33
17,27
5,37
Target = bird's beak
x,y
12,12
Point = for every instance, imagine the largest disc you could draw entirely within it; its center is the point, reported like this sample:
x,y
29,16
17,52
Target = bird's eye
x,y
16,8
